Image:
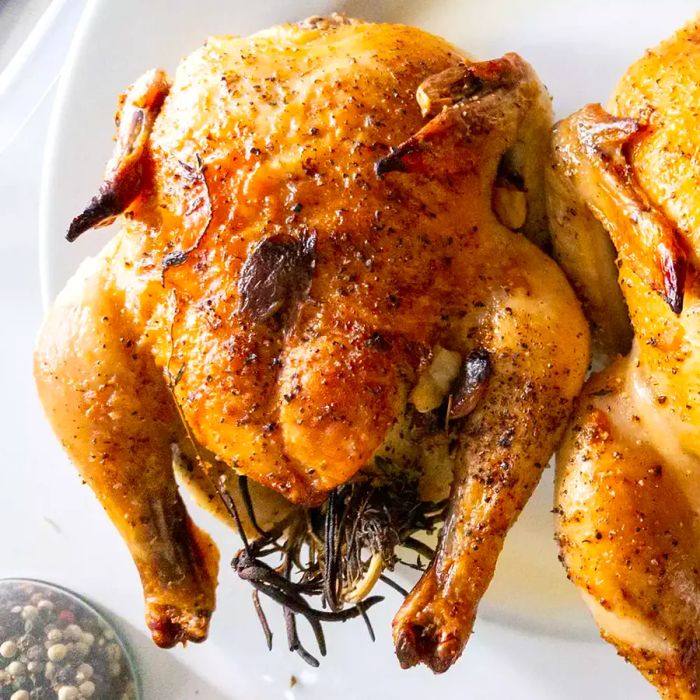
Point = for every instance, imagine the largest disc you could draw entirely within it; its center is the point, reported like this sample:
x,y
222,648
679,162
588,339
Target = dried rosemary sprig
x,y
336,551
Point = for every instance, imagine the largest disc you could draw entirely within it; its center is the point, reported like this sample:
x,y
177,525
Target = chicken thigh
x,y
324,242
628,488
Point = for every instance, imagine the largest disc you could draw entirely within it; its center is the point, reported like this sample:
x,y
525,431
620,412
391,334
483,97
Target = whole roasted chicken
x,y
323,305
628,491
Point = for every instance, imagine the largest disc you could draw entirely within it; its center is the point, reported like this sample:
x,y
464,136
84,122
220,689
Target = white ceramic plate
x,y
580,48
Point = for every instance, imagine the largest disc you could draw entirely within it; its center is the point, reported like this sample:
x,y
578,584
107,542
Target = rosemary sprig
x,y
328,552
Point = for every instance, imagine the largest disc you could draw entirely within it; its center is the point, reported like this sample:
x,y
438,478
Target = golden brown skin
x,y
628,489
320,210
109,404
506,442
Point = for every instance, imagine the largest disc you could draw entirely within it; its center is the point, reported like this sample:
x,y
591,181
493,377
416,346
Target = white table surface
x,y
52,527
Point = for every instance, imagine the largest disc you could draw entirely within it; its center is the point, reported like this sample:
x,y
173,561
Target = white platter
x,y
580,48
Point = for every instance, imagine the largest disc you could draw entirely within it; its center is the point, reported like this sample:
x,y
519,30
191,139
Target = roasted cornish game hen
x,y
628,491
326,299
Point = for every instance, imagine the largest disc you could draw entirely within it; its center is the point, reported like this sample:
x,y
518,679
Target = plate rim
x,y
48,160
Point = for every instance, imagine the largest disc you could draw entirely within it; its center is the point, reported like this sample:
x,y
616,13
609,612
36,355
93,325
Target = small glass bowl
x,y
54,644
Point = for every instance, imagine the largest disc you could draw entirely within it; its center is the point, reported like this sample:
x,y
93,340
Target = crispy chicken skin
x,y
628,486
311,216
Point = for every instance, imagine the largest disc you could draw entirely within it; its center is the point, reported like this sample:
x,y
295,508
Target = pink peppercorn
x,y
66,616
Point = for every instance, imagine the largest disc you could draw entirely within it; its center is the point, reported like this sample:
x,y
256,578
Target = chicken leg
x,y
105,397
534,374
628,531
